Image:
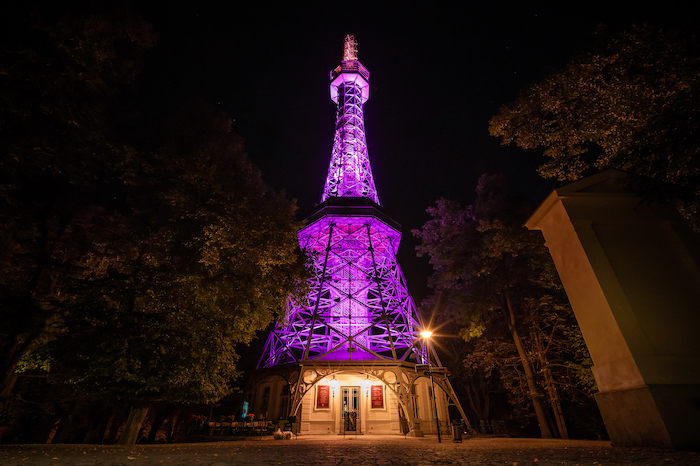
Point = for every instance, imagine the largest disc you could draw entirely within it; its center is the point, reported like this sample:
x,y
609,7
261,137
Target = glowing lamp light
x,y
334,385
426,334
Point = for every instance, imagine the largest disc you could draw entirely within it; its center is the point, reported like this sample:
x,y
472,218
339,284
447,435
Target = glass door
x,y
350,398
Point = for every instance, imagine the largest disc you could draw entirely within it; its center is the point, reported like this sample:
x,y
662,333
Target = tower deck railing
x,y
352,66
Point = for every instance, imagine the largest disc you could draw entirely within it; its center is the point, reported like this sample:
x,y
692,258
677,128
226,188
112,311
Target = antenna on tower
x,y
350,48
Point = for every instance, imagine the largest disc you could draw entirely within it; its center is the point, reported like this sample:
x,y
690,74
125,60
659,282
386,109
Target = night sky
x,y
439,71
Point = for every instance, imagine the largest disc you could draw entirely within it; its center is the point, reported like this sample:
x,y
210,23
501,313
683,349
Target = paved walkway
x,y
335,450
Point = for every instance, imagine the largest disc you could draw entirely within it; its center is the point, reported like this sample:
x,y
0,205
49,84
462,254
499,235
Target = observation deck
x,y
350,72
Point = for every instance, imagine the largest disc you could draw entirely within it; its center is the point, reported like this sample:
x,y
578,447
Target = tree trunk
x,y
159,418
175,421
554,399
527,368
9,378
133,425
96,433
9,383
556,403
107,426
115,424
64,427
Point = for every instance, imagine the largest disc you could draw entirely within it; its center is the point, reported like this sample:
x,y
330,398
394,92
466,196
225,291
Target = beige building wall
x,y
631,271
383,420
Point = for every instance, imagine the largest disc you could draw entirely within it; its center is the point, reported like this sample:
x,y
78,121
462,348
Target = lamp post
x,y
426,334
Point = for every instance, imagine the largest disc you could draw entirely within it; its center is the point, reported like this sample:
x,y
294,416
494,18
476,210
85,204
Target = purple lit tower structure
x,y
344,359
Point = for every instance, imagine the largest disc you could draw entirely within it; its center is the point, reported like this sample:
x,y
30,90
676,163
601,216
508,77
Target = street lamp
x,y
426,334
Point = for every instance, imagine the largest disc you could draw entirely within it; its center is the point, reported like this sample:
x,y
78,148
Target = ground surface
x,y
335,450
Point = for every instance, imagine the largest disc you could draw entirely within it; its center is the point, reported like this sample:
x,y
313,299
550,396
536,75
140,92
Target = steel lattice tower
x,y
359,308
358,324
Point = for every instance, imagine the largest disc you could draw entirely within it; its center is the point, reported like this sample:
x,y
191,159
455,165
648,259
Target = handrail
x,y
350,66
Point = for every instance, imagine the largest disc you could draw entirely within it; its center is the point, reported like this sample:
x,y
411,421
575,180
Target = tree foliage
x,y
65,84
138,250
631,104
197,259
478,251
496,281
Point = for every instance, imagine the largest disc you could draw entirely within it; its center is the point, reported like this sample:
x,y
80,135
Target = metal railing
x,y
350,66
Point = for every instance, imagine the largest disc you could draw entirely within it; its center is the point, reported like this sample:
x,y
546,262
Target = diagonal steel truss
x,y
358,308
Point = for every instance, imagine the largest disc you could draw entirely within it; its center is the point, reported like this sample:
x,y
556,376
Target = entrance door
x,y
351,409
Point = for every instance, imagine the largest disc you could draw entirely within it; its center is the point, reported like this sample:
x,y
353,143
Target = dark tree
x,y
65,85
632,103
491,271
199,258
137,249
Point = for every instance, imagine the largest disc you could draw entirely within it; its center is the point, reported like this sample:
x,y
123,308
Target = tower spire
x,y
350,48
349,173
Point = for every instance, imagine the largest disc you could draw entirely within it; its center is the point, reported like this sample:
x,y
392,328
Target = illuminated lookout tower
x,y
358,319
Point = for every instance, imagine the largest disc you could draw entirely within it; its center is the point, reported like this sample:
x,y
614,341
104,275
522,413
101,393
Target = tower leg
x,y
449,391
